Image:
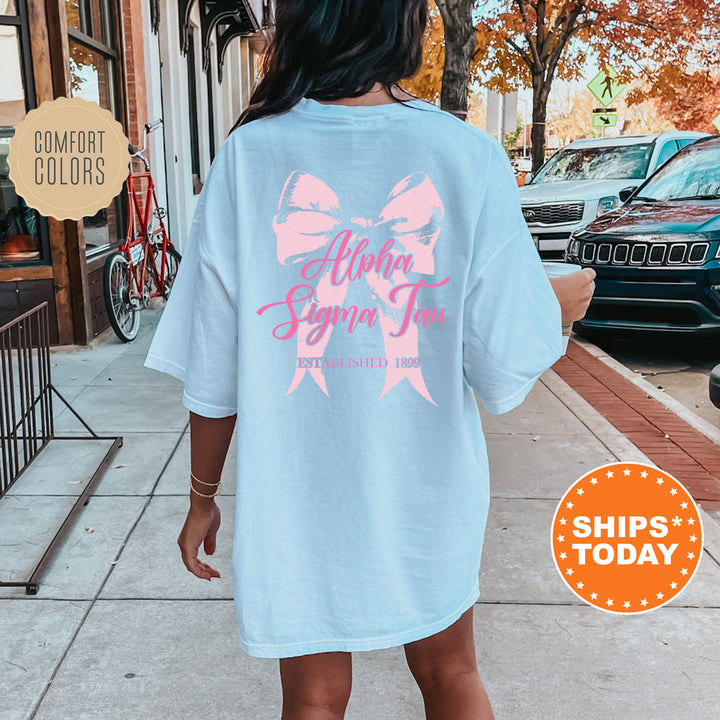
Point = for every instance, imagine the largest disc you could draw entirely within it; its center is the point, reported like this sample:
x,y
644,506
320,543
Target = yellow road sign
x,y
604,120
716,122
605,86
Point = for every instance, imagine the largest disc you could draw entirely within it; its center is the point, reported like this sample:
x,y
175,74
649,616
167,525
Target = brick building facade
x,y
189,62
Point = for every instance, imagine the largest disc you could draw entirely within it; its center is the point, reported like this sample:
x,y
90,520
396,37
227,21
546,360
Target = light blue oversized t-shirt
x,y
351,275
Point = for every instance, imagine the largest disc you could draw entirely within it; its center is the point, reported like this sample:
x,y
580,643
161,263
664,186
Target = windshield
x,y
624,162
693,174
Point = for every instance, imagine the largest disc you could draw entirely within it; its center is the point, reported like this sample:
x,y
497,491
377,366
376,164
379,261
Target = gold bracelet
x,y
217,492
201,482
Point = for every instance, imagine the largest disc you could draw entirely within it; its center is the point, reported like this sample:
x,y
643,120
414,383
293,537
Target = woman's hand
x,y
574,292
201,526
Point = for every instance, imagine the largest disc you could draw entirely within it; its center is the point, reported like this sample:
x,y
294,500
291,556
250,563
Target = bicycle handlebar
x,y
149,127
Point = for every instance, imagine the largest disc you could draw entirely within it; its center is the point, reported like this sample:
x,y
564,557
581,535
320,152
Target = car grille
x,y
649,254
554,213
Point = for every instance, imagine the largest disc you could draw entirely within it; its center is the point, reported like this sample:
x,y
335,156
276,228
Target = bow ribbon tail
x,y
326,295
306,353
397,349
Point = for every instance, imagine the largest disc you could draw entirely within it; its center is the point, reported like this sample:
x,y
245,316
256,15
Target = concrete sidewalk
x,y
120,630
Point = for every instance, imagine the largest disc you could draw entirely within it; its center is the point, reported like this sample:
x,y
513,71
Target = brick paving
x,y
670,442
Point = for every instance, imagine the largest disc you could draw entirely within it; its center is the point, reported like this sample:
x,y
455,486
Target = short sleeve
x,y
512,329
196,339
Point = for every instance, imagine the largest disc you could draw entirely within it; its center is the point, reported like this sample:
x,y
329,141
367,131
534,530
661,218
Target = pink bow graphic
x,y
309,219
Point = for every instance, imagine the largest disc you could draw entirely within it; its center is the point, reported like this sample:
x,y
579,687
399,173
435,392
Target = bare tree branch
x,y
559,48
526,58
540,23
528,35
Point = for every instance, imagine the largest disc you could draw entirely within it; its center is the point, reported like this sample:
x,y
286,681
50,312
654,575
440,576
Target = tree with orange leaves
x,y
660,42
692,99
450,41
668,47
427,82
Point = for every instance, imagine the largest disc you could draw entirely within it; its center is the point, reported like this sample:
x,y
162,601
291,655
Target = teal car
x,y
657,257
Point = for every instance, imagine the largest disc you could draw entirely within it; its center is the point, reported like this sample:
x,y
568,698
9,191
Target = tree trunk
x,y
541,91
459,47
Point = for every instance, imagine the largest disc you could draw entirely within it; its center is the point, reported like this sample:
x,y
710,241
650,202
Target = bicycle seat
x,y
131,149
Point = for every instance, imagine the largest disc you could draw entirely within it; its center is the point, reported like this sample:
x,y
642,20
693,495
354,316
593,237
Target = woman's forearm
x,y
574,293
209,442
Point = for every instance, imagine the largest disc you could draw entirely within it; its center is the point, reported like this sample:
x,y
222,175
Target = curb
x,y
617,443
684,413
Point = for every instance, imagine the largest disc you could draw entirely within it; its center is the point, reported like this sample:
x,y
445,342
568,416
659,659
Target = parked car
x,y
583,180
715,386
657,258
522,164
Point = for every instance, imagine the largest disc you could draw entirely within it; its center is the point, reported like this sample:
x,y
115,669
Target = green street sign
x,y
605,86
716,122
604,120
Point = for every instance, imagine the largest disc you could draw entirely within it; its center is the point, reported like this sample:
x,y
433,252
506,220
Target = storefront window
x,y
20,226
12,90
93,77
106,15
77,13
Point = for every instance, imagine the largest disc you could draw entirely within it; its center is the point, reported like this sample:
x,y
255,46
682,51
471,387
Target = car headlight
x,y
607,204
574,247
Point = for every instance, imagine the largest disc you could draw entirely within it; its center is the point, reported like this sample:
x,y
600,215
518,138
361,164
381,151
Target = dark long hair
x,y
332,49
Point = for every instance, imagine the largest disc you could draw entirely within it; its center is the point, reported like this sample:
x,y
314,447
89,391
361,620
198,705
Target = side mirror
x,y
715,386
528,178
626,193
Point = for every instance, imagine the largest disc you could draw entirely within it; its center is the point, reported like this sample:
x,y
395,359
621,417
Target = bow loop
x,y
307,218
413,211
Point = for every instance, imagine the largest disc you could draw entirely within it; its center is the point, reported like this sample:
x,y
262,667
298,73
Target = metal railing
x,y
26,414
26,417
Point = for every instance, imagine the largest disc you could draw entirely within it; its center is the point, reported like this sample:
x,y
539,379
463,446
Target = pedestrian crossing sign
x,y
606,87
604,120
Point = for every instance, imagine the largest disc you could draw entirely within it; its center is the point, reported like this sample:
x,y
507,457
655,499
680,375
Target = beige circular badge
x,y
68,158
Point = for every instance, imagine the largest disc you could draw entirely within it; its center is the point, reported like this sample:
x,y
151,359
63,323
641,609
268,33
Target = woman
x,y
357,265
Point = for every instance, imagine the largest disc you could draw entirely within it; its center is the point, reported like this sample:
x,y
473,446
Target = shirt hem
x,y
164,365
195,406
361,644
205,410
518,397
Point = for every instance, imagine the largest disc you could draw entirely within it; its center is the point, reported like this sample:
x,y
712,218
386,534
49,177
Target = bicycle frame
x,y
137,237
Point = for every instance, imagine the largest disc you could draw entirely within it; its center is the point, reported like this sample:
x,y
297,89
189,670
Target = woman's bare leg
x,y
317,686
445,668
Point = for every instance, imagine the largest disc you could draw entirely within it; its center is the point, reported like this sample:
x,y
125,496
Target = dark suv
x,y
657,257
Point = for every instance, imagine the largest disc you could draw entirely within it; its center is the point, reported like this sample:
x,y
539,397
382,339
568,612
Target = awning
x,y
226,18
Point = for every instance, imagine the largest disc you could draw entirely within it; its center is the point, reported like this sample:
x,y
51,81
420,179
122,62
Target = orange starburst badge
x,y
627,538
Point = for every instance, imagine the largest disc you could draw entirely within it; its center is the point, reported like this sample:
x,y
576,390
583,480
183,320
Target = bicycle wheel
x,y
172,263
123,313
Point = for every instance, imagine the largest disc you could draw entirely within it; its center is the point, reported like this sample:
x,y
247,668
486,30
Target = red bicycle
x,y
146,265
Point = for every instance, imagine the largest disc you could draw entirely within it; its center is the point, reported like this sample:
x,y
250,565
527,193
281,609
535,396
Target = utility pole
x,y
525,124
501,119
